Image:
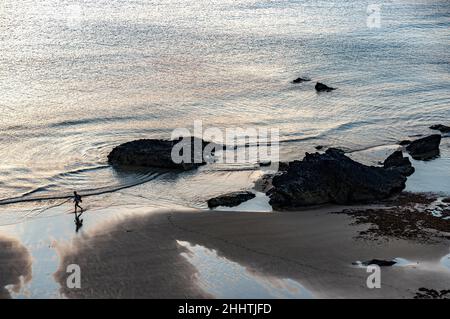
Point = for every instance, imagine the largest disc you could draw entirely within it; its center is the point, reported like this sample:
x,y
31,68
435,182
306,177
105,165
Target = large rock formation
x,y
425,148
396,161
231,199
158,153
332,177
441,128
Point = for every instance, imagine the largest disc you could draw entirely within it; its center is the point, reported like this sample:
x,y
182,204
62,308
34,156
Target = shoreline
x,y
134,252
370,155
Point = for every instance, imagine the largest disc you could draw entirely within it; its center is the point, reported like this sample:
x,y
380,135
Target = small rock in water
x,y
441,128
300,80
320,87
231,199
425,148
319,147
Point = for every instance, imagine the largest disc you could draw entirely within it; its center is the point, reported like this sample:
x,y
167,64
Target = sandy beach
x,y
141,257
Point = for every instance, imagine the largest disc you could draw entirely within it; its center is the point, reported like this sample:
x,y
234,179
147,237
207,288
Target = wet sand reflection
x,y
15,266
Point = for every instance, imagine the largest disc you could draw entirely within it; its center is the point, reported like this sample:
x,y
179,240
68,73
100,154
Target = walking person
x,y
77,200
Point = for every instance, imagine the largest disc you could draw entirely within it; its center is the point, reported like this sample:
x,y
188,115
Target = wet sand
x,y
140,256
15,266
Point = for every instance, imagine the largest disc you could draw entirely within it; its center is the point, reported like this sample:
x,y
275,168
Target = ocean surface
x,y
80,77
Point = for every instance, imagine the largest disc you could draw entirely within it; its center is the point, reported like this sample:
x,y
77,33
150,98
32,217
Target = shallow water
x,y
78,78
446,261
49,227
224,278
260,203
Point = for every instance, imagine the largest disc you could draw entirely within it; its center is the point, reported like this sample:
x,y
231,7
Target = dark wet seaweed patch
x,y
425,293
409,218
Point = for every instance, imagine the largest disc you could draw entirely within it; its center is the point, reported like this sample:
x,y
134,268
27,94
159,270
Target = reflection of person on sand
x,y
77,200
78,222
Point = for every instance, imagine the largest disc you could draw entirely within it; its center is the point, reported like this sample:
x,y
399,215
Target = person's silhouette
x,y
77,200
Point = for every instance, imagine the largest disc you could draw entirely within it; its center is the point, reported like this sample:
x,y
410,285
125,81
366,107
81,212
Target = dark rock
x,y
158,153
398,162
300,80
337,150
264,183
283,166
320,87
379,262
319,147
332,177
404,142
425,293
265,163
441,128
231,199
425,148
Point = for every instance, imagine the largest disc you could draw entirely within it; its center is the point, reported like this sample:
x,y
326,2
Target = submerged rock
x,y
300,80
320,87
425,148
441,128
398,162
332,177
158,153
231,199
